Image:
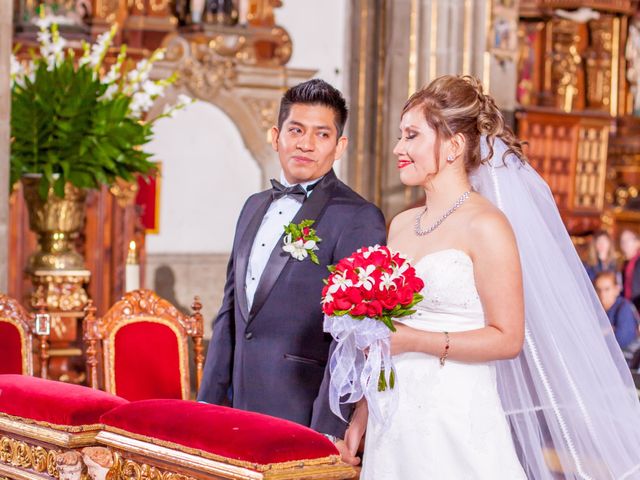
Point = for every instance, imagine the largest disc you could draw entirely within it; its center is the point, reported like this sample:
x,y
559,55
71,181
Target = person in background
x,y
602,255
621,312
630,246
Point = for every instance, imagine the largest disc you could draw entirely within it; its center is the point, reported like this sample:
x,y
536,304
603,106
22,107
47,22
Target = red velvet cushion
x,y
221,431
10,348
54,402
147,362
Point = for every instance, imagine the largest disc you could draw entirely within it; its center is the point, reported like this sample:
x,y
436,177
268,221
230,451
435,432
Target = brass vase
x,y
57,222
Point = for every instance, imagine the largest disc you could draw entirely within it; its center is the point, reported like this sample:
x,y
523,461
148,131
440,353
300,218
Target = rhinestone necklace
x,y
418,228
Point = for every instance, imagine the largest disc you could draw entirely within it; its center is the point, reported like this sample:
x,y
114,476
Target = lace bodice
x,y
451,301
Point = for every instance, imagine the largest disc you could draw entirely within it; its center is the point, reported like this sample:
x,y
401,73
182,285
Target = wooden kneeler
x,y
51,429
201,441
44,424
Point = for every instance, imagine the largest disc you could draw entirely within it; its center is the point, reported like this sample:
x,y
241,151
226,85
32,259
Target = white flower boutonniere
x,y
301,241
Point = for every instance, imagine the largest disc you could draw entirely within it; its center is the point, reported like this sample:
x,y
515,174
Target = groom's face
x,y
308,142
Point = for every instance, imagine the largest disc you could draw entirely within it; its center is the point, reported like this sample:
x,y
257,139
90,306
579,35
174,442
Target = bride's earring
x,y
450,159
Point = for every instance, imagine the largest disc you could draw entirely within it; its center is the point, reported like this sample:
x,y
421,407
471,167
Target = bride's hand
x,y
402,339
357,427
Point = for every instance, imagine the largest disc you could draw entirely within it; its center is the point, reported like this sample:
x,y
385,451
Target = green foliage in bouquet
x,y
70,125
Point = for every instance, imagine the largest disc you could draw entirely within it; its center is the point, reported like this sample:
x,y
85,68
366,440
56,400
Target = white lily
x,y
184,100
44,22
328,298
295,248
141,102
339,282
364,277
366,253
152,88
387,282
110,92
44,37
399,270
16,70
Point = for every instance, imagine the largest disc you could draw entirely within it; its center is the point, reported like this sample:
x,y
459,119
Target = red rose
x,y
342,303
379,259
305,231
374,309
405,296
354,295
417,284
368,294
357,310
328,308
388,298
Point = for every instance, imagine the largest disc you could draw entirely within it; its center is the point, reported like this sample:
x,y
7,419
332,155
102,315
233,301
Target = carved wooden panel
x,y
619,6
590,172
570,153
550,153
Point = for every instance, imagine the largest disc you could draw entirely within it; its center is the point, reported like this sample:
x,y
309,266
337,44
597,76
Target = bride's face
x,y
416,149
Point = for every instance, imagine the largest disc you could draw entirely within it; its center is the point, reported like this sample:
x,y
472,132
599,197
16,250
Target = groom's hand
x,y
347,456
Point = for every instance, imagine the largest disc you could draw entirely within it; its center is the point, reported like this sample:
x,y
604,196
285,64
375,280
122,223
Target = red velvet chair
x,y
144,342
17,330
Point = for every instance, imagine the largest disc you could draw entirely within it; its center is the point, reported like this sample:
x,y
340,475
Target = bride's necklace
x,y
418,227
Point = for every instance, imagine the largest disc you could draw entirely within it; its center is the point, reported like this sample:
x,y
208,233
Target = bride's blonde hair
x,y
456,104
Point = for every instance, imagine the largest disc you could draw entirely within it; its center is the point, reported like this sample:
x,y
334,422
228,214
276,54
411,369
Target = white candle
x,y
132,277
132,269
243,11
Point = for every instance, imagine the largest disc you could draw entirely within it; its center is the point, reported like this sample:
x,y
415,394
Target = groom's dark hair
x,y
315,92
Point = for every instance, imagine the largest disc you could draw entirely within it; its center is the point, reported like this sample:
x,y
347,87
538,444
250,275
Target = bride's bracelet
x,y
445,354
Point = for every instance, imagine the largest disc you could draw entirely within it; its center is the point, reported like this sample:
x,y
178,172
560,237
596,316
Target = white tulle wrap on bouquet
x,y
354,373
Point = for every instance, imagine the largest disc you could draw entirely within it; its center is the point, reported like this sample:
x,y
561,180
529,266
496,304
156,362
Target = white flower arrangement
x,y
90,128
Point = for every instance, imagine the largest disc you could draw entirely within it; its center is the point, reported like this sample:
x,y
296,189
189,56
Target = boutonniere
x,y
301,241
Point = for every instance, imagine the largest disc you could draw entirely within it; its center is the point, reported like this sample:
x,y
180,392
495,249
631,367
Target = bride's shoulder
x,y
404,218
487,223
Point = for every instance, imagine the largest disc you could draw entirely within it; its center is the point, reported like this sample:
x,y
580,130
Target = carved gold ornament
x,y
31,457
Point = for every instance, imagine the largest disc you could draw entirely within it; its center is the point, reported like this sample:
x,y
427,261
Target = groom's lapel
x,y
244,251
311,209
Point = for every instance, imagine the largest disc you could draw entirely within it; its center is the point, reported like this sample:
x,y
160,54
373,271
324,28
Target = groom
x,y
267,342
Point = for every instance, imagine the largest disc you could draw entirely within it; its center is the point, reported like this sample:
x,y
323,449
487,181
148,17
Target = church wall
x,y
208,172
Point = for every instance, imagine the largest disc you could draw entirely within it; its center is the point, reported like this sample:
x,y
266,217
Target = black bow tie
x,y
297,191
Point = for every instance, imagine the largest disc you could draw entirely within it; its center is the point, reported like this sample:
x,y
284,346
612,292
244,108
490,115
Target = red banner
x,y
148,199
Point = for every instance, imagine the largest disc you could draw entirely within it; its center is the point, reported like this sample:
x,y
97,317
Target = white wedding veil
x,y
569,396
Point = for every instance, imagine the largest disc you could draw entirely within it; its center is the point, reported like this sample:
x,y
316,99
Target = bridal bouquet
x,y
362,295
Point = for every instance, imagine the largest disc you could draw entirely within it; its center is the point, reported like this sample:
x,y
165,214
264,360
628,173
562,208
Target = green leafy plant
x,y
70,124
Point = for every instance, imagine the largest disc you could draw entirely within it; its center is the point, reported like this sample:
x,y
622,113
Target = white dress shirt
x,y
279,214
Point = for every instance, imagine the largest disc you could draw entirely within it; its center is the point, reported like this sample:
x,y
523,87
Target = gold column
x,y
486,70
362,90
433,40
413,48
6,32
615,66
379,156
412,82
466,45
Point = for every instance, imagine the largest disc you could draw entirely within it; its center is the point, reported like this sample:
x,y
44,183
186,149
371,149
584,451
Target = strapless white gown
x,y
449,424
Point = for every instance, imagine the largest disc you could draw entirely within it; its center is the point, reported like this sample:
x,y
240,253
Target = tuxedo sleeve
x,y
218,367
367,227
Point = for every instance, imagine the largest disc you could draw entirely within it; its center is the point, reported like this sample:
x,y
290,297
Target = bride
x,y
508,369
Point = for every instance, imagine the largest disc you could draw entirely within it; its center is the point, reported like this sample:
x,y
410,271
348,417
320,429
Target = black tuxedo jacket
x,y
275,355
